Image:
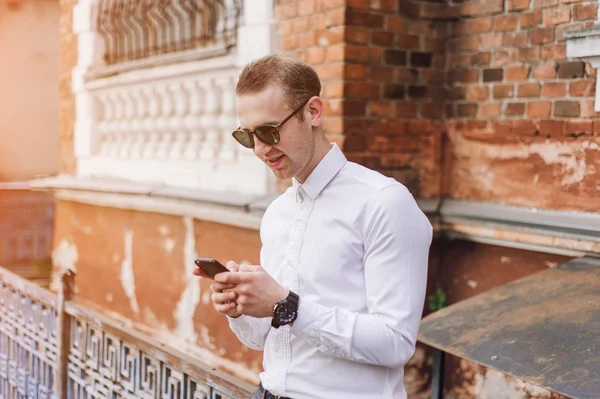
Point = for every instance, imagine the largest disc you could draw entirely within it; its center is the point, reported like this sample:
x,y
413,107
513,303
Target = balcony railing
x,y
54,347
137,29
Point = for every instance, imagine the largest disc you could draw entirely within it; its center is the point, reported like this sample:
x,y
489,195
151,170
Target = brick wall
x,y
522,114
481,90
382,74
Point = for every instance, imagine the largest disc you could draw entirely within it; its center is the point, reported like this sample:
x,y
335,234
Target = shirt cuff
x,y
307,324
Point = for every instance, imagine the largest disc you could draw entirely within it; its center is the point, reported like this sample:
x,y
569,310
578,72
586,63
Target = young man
x,y
338,297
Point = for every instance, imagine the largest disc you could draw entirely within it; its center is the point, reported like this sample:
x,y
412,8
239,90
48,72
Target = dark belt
x,y
269,395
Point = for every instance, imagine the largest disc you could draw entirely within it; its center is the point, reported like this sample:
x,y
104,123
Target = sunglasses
x,y
268,134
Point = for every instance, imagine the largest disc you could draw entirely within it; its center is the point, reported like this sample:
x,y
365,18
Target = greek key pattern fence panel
x,y
28,345
96,357
104,366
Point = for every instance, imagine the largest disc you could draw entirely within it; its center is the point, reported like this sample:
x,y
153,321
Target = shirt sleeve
x,y
251,331
397,238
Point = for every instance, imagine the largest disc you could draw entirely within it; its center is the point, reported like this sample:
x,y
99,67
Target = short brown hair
x,y
297,80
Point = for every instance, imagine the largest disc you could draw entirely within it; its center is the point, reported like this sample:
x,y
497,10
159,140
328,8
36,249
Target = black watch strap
x,y
292,300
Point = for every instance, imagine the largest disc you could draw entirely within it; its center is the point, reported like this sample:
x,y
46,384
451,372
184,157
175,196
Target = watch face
x,y
286,313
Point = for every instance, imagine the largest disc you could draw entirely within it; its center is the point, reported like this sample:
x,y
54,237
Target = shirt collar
x,y
325,171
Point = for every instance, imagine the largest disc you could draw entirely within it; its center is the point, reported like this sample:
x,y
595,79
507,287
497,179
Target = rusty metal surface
x,y
543,329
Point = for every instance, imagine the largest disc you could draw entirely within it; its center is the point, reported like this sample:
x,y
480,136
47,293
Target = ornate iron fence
x,y
137,29
53,347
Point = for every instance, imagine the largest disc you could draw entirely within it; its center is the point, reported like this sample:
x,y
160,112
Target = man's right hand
x,y
223,297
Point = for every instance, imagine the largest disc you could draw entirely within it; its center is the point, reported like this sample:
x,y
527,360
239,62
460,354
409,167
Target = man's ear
x,y
315,108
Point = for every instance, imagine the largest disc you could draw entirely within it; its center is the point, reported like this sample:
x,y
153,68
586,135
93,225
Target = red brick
x,y
529,90
431,110
330,71
505,57
474,93
290,42
516,73
528,54
354,108
361,90
491,41
504,91
376,55
579,128
531,19
542,35
597,128
472,26
396,23
516,39
484,7
554,52
467,43
335,17
406,109
435,45
481,59
582,88
355,71
382,74
554,89
384,5
333,107
505,22
538,109
524,128
336,53
333,89
489,110
355,17
567,109
382,38
330,36
364,4
470,76
411,42
584,12
356,35
381,108
552,128
286,28
587,109
544,3
315,55
307,7
466,110
561,30
544,71
518,5
557,15
301,25
333,124
514,109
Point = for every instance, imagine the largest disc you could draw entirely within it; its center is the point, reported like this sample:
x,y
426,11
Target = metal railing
x,y
138,29
54,347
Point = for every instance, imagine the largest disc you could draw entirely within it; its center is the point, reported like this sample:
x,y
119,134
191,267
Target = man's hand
x,y
257,292
223,298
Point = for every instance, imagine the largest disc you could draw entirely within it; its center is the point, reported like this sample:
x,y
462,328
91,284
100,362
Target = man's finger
x,y
218,297
232,278
225,308
218,287
198,272
250,268
232,266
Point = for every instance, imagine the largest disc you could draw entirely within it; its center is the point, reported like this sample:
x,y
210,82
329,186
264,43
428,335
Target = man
x,y
338,297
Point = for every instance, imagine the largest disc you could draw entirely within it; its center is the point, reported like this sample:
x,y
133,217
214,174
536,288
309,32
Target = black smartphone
x,y
210,266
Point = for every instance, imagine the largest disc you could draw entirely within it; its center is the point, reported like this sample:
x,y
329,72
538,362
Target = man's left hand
x,y
257,292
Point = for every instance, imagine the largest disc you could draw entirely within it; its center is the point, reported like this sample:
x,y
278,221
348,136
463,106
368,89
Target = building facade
x,y
487,110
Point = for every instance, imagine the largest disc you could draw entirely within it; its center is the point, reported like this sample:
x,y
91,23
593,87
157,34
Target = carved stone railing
x,y
54,347
137,29
163,112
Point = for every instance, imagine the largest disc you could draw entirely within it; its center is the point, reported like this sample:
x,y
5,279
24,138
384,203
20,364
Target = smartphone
x,y
210,266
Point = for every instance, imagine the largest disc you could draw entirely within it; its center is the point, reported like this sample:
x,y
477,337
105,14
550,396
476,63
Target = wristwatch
x,y
286,311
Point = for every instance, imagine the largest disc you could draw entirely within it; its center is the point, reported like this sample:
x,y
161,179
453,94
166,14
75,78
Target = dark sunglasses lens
x,y
244,138
268,135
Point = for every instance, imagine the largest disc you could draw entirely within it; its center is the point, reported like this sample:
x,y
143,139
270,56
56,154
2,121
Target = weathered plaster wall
x,y
29,85
140,265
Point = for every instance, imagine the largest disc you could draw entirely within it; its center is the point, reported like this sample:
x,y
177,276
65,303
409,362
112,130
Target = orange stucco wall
x,y
29,80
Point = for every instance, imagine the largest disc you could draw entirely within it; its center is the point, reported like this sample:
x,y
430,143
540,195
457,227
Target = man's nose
x,y
261,149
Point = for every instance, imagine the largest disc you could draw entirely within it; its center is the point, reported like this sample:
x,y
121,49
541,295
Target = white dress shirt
x,y
354,246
